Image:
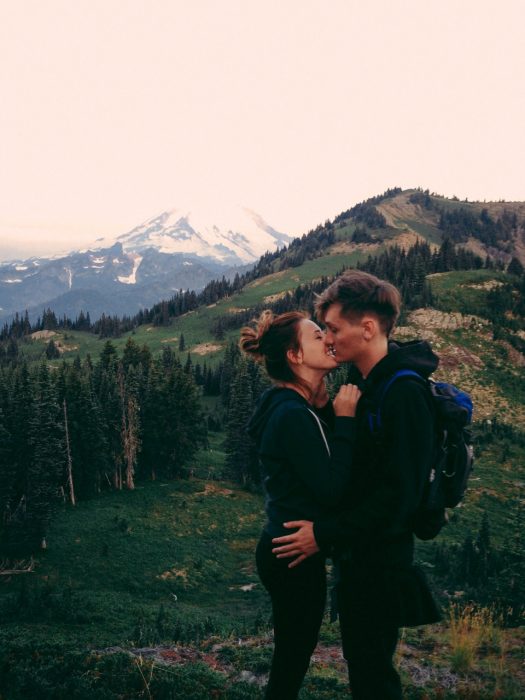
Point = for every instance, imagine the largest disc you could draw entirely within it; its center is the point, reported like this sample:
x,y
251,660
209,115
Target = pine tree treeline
x,y
407,269
366,212
238,382
72,432
460,223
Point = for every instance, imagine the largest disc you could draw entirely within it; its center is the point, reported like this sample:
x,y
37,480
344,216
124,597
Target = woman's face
x,y
314,352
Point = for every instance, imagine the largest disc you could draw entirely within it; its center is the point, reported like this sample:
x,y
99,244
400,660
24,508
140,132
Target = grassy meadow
x,y
153,593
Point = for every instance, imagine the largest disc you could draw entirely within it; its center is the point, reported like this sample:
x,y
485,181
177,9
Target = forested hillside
x,y
129,493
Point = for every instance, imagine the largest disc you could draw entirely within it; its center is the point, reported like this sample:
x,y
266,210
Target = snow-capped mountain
x,y
179,249
238,236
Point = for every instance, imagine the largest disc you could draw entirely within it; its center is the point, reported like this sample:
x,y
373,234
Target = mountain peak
x,y
230,235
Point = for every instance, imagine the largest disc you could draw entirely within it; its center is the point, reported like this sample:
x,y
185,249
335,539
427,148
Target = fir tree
x,y
52,352
46,471
130,426
132,355
515,267
174,425
483,550
108,355
239,448
7,474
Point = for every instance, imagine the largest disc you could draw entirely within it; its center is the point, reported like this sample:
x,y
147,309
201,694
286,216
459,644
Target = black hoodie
x,y
373,525
305,466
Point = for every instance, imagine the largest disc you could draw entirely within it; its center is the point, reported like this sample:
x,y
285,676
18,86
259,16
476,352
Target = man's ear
x,y
370,327
295,357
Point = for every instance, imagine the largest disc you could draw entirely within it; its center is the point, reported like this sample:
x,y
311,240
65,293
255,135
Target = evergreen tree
x,y
130,427
11,352
150,460
108,399
88,443
239,447
132,355
46,472
108,355
515,267
52,352
174,427
231,355
18,425
483,549
168,357
7,474
467,561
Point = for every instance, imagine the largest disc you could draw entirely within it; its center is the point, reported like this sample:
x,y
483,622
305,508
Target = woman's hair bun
x,y
253,337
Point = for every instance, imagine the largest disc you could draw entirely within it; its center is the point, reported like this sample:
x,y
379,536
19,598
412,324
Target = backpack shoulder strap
x,y
374,420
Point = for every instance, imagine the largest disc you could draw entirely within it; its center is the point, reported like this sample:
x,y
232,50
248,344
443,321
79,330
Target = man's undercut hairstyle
x,y
361,293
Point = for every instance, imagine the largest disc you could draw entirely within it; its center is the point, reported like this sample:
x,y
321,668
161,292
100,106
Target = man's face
x,y
344,335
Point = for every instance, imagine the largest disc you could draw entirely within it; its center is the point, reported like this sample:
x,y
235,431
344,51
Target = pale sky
x,y
113,111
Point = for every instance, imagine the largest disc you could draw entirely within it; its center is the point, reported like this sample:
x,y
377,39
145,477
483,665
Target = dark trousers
x,y
298,599
369,643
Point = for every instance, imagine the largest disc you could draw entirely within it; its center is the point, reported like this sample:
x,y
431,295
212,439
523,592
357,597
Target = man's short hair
x,y
361,293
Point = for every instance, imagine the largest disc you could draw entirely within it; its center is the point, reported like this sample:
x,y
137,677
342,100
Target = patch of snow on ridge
x,y
9,281
132,278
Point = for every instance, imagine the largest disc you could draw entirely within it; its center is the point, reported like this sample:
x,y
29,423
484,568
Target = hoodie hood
x,y
416,355
269,401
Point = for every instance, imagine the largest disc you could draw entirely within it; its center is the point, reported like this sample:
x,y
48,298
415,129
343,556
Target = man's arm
x,y
409,434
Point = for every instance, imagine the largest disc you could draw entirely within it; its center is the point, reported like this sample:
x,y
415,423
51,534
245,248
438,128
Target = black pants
x,y
369,643
298,600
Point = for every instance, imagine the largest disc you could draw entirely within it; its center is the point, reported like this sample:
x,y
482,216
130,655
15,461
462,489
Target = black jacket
x,y
304,476
372,531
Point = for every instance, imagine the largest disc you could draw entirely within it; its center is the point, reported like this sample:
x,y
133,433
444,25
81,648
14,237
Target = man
x,y
370,538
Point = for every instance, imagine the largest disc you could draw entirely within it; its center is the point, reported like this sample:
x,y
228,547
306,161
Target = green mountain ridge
x,y
406,223
153,592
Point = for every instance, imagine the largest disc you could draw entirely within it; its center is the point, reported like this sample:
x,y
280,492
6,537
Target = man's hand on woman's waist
x,y
300,544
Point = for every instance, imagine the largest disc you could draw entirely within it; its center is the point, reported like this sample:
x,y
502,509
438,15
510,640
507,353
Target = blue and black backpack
x,y
454,455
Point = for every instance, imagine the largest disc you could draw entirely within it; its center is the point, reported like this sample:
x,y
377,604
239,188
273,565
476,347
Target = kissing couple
x,y
334,490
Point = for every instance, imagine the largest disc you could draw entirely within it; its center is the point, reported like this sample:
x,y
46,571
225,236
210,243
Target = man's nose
x,y
328,337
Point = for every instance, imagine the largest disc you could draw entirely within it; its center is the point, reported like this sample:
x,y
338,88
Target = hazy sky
x,y
115,110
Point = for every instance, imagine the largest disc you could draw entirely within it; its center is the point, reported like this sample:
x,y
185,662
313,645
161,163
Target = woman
x,y
305,470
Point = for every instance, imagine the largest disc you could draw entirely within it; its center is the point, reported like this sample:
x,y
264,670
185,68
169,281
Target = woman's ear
x,y
294,357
